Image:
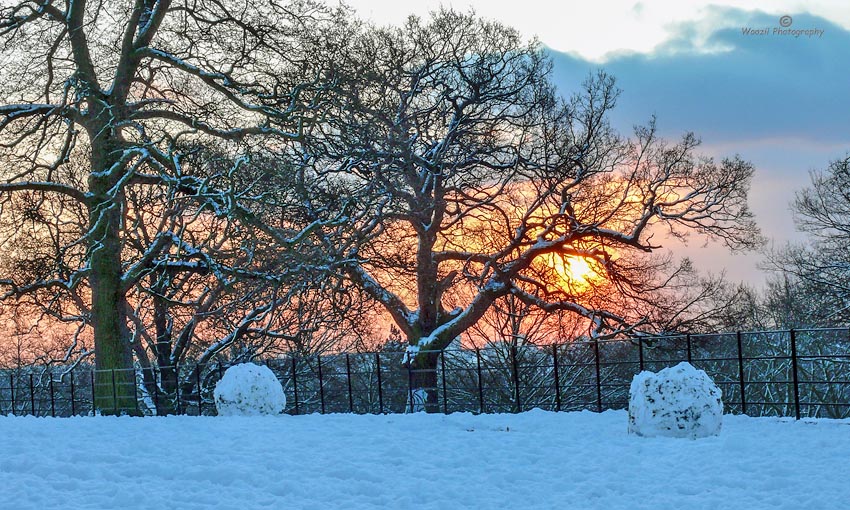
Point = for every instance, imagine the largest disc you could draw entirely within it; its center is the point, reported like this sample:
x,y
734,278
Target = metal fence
x,y
802,373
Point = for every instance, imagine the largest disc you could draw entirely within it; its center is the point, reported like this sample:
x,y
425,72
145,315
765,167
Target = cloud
x,y
726,86
778,101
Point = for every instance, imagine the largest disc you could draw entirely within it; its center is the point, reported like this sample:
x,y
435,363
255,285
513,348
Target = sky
x,y
778,101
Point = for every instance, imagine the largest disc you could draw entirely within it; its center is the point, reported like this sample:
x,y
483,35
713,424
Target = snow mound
x,y
249,390
678,401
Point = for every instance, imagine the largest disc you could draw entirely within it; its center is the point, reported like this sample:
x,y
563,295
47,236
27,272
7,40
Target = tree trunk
x,y
170,382
162,389
423,383
115,380
166,402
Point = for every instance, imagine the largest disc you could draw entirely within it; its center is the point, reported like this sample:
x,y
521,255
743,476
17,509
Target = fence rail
x,y
766,373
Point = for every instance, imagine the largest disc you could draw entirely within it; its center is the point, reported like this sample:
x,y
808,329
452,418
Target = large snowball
x,y
680,401
249,390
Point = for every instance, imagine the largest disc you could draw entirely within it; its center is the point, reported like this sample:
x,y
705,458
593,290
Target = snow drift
x,y
679,401
248,389
530,461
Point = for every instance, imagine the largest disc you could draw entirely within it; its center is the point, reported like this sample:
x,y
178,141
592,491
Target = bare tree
x,y
471,174
125,92
812,284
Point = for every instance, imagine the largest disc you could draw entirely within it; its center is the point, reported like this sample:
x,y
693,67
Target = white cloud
x,y
593,30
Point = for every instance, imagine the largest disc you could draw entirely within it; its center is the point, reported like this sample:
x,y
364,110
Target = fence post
x,y
557,377
73,406
155,392
515,371
480,383
177,387
295,383
136,392
445,393
52,398
93,406
794,374
741,379
114,394
409,383
32,396
380,390
198,384
690,354
12,389
598,375
348,375
321,382
640,353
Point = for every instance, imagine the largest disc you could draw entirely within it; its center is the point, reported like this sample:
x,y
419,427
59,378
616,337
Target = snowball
x,y
679,401
248,390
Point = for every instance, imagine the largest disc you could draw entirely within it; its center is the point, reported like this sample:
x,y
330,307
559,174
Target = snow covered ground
x,y
531,460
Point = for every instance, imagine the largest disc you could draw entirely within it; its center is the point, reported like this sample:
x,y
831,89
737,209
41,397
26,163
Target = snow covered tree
x,y
98,98
471,179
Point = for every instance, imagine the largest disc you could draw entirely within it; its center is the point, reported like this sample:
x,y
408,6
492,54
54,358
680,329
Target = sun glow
x,y
578,269
576,273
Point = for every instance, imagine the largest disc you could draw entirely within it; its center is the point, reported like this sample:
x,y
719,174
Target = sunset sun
x,y
577,269
576,272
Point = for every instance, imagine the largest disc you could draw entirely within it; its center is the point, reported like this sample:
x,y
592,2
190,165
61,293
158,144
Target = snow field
x,y
533,460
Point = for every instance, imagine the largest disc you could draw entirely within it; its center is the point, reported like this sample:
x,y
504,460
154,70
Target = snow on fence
x,y
768,373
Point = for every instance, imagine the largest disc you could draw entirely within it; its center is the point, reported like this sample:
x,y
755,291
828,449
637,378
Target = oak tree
x,y
101,99
471,180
